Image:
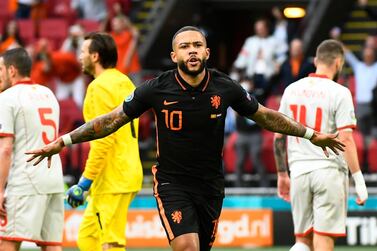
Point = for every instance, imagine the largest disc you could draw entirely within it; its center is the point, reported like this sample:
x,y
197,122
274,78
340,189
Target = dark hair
x,y
20,59
328,51
104,45
187,28
17,35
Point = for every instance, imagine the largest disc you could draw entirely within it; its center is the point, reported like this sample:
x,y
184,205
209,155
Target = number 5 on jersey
x,y
43,114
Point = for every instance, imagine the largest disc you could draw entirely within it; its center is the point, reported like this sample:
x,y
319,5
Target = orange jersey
x,y
123,41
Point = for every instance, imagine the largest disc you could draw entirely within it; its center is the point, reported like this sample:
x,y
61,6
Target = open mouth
x,y
194,61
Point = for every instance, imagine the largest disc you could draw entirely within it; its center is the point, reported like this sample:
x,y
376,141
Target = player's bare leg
x,y
51,248
323,242
9,245
186,242
303,243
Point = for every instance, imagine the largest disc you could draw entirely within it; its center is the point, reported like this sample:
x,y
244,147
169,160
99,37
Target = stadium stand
x,y
54,29
27,30
89,25
372,156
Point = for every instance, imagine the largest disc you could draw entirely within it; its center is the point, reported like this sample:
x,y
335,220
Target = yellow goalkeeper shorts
x,y
105,220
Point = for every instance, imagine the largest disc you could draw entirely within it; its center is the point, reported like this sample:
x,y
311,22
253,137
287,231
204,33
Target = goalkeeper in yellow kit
x,y
113,170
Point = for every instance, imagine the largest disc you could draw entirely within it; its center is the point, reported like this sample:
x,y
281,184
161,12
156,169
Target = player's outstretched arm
x,y
97,128
278,122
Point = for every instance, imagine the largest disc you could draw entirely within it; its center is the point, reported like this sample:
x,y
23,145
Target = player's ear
x,y
339,63
95,57
315,61
207,53
173,56
12,71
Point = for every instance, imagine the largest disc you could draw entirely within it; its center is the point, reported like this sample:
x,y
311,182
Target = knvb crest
x,y
215,101
176,216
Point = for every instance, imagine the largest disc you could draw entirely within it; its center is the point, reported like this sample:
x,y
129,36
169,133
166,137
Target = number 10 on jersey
x,y
173,119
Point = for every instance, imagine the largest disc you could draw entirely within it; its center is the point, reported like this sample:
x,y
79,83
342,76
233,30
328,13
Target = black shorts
x,y
182,212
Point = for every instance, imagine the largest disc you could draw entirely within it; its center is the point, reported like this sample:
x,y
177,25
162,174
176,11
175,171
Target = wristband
x,y
308,133
85,183
67,140
358,178
360,187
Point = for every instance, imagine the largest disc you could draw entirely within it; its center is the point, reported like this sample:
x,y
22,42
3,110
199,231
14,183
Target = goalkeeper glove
x,y
75,194
360,187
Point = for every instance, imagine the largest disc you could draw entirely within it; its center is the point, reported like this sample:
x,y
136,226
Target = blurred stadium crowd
x,y
269,60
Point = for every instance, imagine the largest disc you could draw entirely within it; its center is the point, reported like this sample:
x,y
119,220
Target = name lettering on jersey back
x,y
309,93
38,96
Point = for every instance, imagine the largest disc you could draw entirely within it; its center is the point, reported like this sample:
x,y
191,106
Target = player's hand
x,y
75,196
3,212
76,193
328,140
284,186
360,187
47,151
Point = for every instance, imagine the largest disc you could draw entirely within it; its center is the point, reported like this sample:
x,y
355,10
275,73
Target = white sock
x,y
299,246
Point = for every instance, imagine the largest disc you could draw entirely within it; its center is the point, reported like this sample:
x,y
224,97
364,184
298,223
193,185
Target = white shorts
x,y
319,202
34,218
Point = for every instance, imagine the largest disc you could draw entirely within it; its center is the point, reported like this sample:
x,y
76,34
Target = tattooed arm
x,y
97,128
280,152
101,126
278,122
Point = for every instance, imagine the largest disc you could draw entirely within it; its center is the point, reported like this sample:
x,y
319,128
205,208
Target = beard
x,y
5,83
88,69
183,67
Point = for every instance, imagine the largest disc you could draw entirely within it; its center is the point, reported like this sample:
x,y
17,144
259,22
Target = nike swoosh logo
x,y
170,103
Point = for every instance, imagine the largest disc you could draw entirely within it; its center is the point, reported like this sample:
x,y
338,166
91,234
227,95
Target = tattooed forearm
x,y
100,127
278,122
280,152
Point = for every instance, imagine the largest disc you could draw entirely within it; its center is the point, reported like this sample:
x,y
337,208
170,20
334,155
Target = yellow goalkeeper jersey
x,y
114,161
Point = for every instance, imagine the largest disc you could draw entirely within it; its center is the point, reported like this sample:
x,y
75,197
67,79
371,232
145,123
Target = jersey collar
x,y
315,75
24,82
185,86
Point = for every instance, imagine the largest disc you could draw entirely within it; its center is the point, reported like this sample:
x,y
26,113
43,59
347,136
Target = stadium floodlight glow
x,y
294,12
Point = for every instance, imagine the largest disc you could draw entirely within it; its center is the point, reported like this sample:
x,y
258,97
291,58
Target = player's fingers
x,y
338,144
284,196
77,203
287,198
31,152
32,157
325,151
3,212
71,203
38,161
49,162
334,150
360,202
